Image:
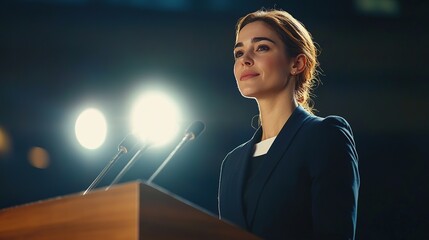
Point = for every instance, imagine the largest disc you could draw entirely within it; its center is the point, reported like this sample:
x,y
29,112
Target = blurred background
x,y
59,57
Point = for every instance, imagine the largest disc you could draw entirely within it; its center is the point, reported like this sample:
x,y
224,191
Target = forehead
x,y
256,29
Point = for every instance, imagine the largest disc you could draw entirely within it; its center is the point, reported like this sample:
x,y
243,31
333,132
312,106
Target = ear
x,y
298,64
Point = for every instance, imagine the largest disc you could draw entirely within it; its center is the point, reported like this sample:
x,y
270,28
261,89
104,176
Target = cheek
x,y
276,66
272,64
235,69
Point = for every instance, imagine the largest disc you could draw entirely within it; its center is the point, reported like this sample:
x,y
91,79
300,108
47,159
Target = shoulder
x,y
328,129
330,143
331,121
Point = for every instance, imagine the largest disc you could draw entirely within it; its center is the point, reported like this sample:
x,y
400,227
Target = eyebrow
x,y
254,40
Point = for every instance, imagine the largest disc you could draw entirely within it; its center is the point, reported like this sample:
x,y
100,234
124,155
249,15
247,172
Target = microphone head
x,y
128,143
195,129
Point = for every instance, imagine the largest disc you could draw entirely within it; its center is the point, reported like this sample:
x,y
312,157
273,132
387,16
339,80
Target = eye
x,y
238,54
262,48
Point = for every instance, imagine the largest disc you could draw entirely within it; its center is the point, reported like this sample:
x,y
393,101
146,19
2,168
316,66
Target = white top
x,y
262,147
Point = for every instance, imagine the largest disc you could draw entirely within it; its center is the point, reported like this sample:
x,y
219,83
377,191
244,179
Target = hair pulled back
x,y
297,41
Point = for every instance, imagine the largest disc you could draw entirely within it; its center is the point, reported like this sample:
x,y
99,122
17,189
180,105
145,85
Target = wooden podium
x,y
128,211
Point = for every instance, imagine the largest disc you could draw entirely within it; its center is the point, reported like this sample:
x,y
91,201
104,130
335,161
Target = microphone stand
x,y
129,165
122,150
191,133
127,143
186,138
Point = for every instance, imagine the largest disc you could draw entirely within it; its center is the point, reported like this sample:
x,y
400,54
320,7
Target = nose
x,y
247,59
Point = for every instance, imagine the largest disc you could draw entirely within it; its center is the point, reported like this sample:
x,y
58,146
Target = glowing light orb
x,y
5,142
38,157
155,118
91,128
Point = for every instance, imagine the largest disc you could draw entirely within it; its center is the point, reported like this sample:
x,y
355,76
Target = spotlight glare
x,y
91,128
155,118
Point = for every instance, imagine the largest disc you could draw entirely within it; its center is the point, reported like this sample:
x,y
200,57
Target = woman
x,y
297,177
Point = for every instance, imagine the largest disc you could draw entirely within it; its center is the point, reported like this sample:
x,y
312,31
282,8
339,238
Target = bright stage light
x,y
91,128
155,118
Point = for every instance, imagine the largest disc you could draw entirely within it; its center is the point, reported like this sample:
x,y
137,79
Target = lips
x,y
248,75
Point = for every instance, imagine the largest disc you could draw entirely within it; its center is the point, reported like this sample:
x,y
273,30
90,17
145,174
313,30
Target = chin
x,y
251,96
246,93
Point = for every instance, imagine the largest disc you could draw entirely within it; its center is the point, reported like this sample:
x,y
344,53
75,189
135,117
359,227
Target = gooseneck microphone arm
x,y
127,144
104,171
185,139
129,165
192,132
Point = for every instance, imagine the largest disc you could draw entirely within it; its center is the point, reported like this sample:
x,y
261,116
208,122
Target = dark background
x,y
58,57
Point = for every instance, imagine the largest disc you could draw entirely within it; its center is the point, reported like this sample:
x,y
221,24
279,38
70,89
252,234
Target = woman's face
x,y
261,66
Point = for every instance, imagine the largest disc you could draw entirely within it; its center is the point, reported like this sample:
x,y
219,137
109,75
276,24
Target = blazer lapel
x,y
274,154
239,179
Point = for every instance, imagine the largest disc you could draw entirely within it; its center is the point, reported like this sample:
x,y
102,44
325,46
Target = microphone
x,y
192,132
128,143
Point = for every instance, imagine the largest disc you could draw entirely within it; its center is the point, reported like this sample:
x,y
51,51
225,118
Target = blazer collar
x,y
274,154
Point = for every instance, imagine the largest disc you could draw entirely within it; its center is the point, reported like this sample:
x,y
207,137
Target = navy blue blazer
x,y
307,188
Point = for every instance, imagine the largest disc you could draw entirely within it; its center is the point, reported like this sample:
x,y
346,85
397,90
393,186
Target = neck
x,y
274,113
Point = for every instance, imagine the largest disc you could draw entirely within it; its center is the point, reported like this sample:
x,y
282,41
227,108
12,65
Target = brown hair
x,y
297,41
